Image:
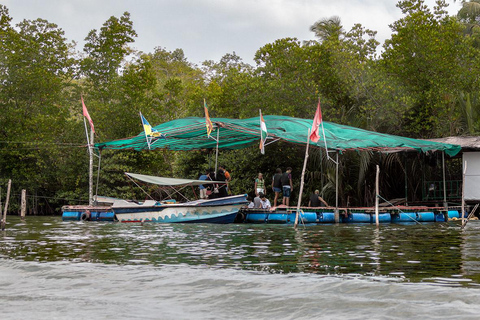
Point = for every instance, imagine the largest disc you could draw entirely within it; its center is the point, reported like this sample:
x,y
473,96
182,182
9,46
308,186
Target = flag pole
x,y
145,131
302,180
216,155
90,170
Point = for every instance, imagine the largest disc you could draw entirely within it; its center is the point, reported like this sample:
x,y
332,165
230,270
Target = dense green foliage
x,y
425,83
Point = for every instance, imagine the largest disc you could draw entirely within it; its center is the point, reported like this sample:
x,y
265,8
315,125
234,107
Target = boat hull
x,y
221,210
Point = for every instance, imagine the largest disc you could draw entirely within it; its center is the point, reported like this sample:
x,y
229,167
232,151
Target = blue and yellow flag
x,y
151,134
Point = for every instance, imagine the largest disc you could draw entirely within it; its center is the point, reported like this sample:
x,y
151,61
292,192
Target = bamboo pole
x,y
463,193
90,170
23,204
98,176
445,204
216,154
302,179
337,213
377,193
4,220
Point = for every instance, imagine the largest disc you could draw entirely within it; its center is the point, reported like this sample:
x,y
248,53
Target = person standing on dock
x,y
277,184
287,186
203,189
316,200
222,188
260,184
228,178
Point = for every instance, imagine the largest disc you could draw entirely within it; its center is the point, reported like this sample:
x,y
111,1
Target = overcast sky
x,y
207,29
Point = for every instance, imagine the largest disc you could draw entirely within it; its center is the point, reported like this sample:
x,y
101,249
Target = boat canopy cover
x,y
161,181
191,134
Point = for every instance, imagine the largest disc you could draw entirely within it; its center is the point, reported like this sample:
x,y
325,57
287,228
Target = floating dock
x,y
285,215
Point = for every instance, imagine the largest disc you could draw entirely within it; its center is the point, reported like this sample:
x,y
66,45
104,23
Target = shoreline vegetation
x,y
424,84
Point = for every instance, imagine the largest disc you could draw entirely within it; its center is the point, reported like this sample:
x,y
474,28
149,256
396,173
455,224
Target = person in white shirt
x,y
265,202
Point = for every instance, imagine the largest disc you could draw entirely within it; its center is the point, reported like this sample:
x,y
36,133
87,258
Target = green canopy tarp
x,y
191,134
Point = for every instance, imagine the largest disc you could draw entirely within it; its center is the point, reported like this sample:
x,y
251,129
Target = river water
x,y
50,269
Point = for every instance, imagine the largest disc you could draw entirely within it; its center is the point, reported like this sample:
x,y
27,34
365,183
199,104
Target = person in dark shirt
x,y
277,184
316,200
222,188
287,186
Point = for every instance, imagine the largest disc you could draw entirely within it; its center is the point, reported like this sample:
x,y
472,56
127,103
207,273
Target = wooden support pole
x,y
337,212
377,193
302,180
216,152
4,220
23,204
445,204
463,193
90,170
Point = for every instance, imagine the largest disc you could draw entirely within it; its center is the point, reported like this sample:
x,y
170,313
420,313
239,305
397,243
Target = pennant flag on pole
x,y
317,120
208,122
87,115
150,133
263,133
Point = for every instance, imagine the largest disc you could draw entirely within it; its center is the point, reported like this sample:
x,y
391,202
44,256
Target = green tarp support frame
x,y
191,134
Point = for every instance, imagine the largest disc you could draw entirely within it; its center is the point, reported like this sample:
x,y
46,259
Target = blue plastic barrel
x,y
425,217
404,217
383,218
309,217
439,217
326,217
106,216
71,215
277,217
256,217
453,214
357,217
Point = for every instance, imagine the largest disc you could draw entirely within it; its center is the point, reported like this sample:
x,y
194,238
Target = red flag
x,y
87,115
317,120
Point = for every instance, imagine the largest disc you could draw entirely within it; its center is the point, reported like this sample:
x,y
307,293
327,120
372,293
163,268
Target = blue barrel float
x,y
326,217
87,213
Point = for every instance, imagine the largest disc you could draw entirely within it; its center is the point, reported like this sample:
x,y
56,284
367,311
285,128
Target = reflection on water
x,y
439,253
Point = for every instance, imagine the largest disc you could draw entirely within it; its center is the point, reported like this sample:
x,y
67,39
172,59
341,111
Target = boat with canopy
x,y
216,210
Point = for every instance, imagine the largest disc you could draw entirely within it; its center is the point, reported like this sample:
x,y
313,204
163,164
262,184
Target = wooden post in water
x,y
4,220
23,204
377,193
302,180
